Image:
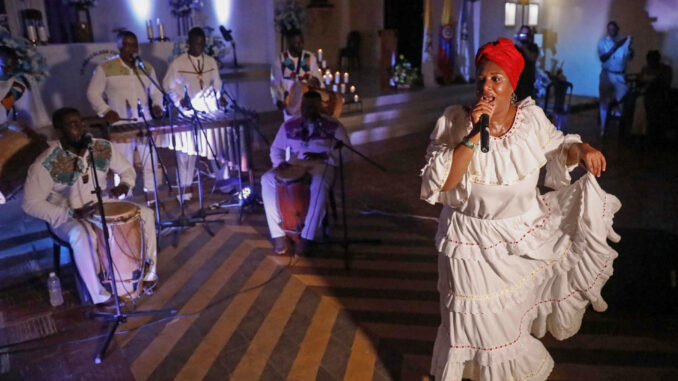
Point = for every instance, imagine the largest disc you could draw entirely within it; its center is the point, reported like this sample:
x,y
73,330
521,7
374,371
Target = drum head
x,y
117,211
290,174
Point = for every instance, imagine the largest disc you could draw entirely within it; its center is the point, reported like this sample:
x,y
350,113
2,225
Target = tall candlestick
x,y
356,98
342,88
42,33
320,54
161,30
346,77
149,30
327,78
352,89
320,71
324,64
31,34
337,78
334,87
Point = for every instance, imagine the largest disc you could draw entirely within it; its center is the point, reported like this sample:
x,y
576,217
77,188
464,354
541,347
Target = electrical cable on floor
x,y
3,349
406,215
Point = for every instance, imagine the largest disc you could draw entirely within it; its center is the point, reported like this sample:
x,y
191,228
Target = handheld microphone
x,y
140,108
226,33
484,132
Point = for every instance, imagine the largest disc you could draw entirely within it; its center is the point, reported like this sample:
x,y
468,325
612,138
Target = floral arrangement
x,y
182,8
31,62
81,3
289,14
403,74
215,46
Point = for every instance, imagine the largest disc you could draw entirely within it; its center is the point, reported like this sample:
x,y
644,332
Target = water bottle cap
x,y
52,274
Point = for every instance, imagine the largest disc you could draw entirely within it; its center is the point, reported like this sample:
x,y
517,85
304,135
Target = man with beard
x,y
59,190
116,87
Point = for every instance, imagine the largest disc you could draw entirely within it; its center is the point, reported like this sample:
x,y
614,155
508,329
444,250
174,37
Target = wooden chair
x,y
557,103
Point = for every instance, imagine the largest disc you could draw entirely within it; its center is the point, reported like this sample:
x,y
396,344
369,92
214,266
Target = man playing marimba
x,y
114,92
294,66
197,75
308,141
59,187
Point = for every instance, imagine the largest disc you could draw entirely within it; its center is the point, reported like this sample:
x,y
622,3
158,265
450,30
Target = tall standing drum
x,y
293,185
128,247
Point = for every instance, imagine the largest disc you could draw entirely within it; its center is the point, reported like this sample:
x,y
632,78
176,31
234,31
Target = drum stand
x,y
346,242
182,220
117,317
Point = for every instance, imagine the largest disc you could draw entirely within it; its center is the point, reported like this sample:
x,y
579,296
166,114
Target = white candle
x,y
356,98
324,64
326,77
161,30
334,87
346,77
149,30
320,54
352,89
30,32
320,71
337,78
42,34
343,88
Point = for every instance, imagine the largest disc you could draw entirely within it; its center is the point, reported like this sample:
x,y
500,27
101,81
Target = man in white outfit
x,y
309,140
117,87
614,52
294,66
59,187
196,74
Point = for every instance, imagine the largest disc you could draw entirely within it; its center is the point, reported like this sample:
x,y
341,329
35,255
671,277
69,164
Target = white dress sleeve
x,y
37,189
555,145
448,133
95,92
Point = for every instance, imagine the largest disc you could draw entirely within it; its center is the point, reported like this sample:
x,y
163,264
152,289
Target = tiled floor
x,y
247,315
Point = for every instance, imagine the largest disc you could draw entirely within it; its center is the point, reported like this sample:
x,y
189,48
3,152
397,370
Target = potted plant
x,y
183,11
403,74
288,15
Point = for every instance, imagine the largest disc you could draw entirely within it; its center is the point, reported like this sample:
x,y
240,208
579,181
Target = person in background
x,y
655,79
524,42
614,52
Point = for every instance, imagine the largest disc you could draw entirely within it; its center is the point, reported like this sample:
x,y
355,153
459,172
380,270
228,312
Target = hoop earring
x,y
514,99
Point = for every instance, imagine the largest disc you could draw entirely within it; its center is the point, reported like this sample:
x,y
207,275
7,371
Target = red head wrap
x,y
503,53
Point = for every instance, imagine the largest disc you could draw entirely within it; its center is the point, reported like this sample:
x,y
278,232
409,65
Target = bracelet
x,y
470,144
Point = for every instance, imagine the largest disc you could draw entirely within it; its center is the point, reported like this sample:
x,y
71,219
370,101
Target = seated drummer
x,y
59,189
294,66
309,139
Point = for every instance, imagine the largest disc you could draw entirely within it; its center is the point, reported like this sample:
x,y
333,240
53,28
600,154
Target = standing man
x,y
59,191
20,99
116,89
614,52
294,66
530,51
310,141
196,75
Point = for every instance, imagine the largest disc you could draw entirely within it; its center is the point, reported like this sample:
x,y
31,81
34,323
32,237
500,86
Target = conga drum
x,y
332,103
128,247
293,185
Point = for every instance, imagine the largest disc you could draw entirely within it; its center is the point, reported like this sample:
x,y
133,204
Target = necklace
x,y
200,69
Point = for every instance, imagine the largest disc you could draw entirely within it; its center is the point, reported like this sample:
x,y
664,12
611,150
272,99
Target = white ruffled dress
x,y
514,263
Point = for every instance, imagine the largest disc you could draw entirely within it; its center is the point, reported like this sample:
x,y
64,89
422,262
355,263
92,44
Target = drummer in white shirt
x,y
58,190
197,75
114,92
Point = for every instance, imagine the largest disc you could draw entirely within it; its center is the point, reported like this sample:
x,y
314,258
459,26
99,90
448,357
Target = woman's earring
x,y
514,99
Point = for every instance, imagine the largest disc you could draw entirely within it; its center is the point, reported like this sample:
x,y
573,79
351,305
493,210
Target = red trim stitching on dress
x,y
534,228
510,131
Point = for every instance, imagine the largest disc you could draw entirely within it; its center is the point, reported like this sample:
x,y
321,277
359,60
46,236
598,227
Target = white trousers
x,y
81,236
321,181
186,168
612,87
127,151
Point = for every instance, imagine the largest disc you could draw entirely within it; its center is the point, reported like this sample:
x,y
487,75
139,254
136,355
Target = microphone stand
x,y
182,220
118,317
346,242
153,148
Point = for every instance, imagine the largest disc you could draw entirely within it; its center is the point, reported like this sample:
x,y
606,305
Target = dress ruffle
x,y
549,276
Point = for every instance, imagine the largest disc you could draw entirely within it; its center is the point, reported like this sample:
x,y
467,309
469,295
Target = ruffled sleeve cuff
x,y
557,170
435,172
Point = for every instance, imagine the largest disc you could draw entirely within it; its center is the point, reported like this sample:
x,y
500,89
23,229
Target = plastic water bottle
x,y
54,287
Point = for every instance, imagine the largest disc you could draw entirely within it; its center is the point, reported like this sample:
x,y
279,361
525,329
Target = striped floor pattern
x,y
249,315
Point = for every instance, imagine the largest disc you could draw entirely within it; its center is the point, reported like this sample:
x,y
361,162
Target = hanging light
x,y
510,13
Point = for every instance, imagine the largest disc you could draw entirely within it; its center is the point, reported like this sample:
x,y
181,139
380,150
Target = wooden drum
x,y
293,193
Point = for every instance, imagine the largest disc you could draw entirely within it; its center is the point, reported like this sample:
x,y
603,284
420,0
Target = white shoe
x,y
187,197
